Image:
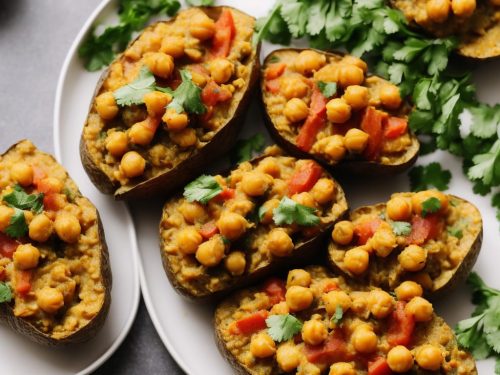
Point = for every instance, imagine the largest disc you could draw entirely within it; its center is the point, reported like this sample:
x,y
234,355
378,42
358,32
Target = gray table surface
x,y
35,36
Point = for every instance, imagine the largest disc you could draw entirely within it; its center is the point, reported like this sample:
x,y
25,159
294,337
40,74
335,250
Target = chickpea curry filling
x,y
227,227
422,236
169,93
314,323
50,252
327,105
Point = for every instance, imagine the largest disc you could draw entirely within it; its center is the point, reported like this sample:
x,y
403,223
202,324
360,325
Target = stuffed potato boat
x,y
428,237
171,103
316,323
476,24
325,106
55,280
229,231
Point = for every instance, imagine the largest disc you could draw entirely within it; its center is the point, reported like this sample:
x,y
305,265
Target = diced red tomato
x,y
7,246
314,121
53,201
366,229
227,193
379,366
44,186
401,326
208,230
304,178
276,289
395,127
273,85
371,123
250,324
22,281
208,114
38,174
334,349
224,34
330,286
424,228
274,71
212,94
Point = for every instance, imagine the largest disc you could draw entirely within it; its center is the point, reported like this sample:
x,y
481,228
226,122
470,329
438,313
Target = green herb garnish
x,y
455,232
244,149
17,226
401,228
135,90
187,97
200,3
5,292
291,212
328,89
283,327
430,206
202,189
423,177
337,317
20,199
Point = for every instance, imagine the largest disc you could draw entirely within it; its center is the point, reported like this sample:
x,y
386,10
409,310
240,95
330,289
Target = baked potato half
x,y
325,106
55,279
313,322
230,230
475,24
171,103
428,237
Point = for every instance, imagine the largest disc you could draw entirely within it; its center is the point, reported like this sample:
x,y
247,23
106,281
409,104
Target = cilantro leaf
x,y
455,232
135,90
202,189
283,327
338,315
430,206
401,228
290,212
17,226
422,177
485,120
487,166
200,3
19,199
245,148
187,97
328,89
261,212
5,292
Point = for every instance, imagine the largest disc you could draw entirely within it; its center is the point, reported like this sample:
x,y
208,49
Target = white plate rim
x,y
57,151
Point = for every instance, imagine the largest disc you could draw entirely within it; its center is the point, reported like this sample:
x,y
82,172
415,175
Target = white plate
x,y
186,328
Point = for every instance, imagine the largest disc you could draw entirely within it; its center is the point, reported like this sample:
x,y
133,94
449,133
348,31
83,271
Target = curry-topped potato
x,y
228,231
475,23
326,106
315,323
171,103
55,280
428,237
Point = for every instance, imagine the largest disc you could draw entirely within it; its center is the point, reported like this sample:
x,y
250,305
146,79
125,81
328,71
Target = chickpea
x,y
350,75
338,111
342,368
407,290
419,198
52,184
155,102
334,299
400,359
429,357
255,183
399,209
5,216
268,208
332,147
298,298
40,228
192,211
305,199
270,166
343,231
141,134
232,225
22,173
356,61
323,191
26,257
328,73
159,63
288,357
413,258
296,110
314,332
279,242
298,277
49,299
293,87
117,143
132,164
356,260
211,252
420,308
309,61
389,96
423,279
463,8
184,138
173,46
438,10
175,121
356,96
262,345
381,303
383,242
201,26
355,140
67,227
188,239
235,263
221,70
364,340
105,105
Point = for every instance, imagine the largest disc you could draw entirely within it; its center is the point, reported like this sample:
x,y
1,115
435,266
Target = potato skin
x,y
86,333
187,170
347,167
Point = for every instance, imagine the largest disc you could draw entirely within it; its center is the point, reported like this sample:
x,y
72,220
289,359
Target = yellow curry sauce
x,y
54,268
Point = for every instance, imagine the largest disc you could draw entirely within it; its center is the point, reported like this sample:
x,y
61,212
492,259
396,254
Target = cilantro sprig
x,y
290,212
133,92
19,200
430,206
401,228
328,89
187,97
17,225
202,189
244,149
283,327
338,315
5,292
424,177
